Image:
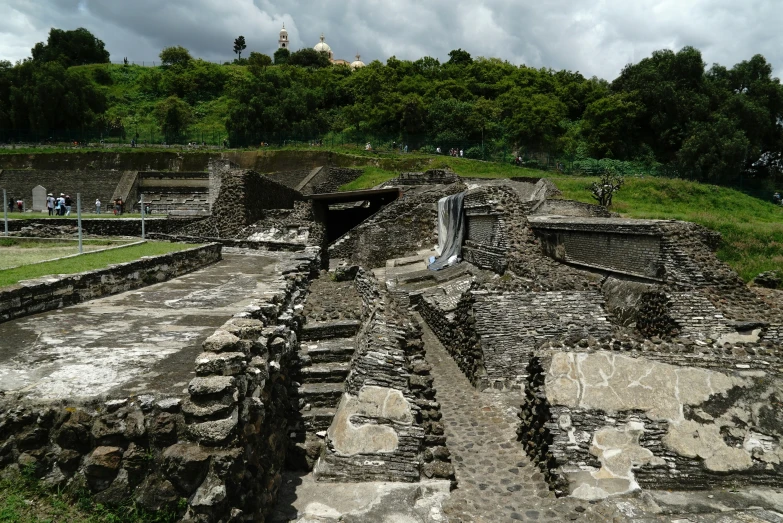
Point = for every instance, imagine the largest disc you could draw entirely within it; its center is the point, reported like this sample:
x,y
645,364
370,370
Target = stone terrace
x,y
143,341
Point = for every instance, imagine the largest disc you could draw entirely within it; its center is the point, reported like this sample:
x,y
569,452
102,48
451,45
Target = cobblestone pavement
x,y
496,480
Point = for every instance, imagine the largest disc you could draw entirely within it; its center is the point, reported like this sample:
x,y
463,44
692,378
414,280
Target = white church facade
x,y
323,47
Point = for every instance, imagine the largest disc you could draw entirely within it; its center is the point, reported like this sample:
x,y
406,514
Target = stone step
x,y
327,351
321,394
329,330
313,420
325,372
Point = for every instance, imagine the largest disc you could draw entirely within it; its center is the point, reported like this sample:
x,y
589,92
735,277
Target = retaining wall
x,y
91,184
214,453
106,226
34,296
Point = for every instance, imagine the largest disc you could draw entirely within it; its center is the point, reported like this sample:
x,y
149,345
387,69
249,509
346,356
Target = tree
x,y
77,47
603,190
239,46
459,57
173,115
258,61
281,56
309,57
175,56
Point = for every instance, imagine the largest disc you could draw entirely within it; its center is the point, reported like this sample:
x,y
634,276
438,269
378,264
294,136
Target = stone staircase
x,y
325,360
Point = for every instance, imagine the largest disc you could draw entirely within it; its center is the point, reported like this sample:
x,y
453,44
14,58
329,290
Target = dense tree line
x,y
710,123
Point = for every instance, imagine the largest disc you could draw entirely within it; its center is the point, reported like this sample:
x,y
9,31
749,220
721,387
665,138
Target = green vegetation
x,y
667,113
87,262
24,500
18,251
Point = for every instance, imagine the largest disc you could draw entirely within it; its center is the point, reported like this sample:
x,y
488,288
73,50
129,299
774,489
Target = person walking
x,y
97,206
61,204
68,203
50,204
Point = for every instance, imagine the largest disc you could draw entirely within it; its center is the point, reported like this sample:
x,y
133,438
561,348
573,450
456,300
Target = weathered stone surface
x,y
215,432
209,385
221,364
210,493
186,465
349,439
221,341
103,462
156,493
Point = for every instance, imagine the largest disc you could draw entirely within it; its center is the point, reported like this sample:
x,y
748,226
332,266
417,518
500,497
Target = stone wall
x,y
486,238
664,416
387,426
492,336
429,177
215,452
105,227
91,184
403,227
573,208
332,178
34,296
631,247
244,196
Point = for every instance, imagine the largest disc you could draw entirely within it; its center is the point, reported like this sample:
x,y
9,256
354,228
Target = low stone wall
x,y
215,452
662,416
105,226
34,296
573,208
387,426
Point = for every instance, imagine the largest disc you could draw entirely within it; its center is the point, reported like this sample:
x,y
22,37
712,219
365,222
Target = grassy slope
x,y
752,229
88,261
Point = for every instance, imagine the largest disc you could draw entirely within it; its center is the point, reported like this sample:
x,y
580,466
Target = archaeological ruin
x,y
305,363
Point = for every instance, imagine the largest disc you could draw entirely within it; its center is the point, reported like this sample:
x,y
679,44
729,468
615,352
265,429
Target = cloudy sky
x,y
595,37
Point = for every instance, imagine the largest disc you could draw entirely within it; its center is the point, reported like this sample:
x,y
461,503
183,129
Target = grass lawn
x,y
24,500
752,229
16,251
88,261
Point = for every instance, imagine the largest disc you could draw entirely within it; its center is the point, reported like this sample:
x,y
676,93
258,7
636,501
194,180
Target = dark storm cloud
x,y
596,38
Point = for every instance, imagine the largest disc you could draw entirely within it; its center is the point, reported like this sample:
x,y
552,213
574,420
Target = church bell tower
x,y
282,43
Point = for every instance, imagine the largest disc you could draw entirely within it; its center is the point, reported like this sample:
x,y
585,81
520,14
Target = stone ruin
x,y
635,358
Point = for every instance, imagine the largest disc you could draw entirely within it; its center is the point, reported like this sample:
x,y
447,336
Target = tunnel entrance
x,y
342,211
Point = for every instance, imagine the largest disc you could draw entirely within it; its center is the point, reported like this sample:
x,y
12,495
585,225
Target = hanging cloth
x,y
451,231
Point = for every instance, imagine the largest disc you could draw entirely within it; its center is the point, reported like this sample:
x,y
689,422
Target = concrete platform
x,y
139,342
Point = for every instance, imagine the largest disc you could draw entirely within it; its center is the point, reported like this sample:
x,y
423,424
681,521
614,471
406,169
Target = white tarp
x,y
451,231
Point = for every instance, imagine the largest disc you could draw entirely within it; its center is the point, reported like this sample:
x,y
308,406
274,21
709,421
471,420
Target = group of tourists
x,y
60,206
456,153
18,203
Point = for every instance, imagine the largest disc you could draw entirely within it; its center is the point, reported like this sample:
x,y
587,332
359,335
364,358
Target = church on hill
x,y
321,46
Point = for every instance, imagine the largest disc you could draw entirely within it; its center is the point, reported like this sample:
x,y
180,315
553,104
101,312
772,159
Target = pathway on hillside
x,y
496,480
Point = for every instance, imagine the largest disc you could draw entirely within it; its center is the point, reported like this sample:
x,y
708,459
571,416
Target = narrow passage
x,y
496,480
